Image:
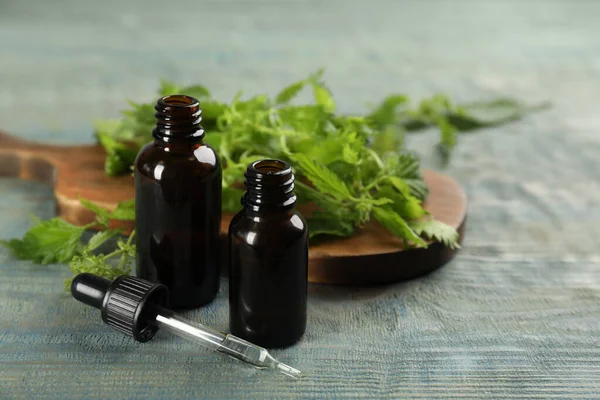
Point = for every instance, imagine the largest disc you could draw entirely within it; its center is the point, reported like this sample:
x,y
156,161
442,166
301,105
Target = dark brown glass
x,y
178,205
268,269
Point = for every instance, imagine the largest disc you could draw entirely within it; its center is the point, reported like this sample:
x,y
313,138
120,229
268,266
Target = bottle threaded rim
x,y
178,116
269,183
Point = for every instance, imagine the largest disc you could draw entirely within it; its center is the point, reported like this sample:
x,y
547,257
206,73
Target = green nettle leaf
x,y
448,138
101,213
99,239
406,167
52,241
327,224
387,112
438,231
289,92
400,185
448,134
125,211
211,111
323,97
323,178
489,113
410,208
350,155
120,156
397,225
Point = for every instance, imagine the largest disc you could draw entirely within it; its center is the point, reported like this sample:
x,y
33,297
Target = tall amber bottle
x,y
268,268
178,205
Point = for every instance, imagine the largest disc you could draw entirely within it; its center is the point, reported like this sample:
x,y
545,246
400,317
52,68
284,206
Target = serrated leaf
x,y
400,185
323,178
141,113
125,211
387,112
289,92
326,224
52,241
120,156
99,238
323,97
438,231
490,113
349,155
101,213
410,209
397,225
406,166
211,110
405,205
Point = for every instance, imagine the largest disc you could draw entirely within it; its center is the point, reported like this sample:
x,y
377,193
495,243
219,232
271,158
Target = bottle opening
x,y
179,100
271,167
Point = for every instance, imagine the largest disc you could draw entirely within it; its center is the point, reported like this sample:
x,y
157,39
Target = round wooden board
x,y
371,256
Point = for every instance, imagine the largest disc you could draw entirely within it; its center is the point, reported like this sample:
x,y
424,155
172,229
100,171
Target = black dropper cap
x,y
127,303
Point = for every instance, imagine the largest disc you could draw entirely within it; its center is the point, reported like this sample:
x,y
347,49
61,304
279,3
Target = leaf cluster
x,y
57,241
353,168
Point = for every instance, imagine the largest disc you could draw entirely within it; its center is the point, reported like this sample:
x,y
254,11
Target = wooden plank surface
x,y
515,315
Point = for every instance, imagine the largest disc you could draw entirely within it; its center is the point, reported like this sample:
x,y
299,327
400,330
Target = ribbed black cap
x,y
127,304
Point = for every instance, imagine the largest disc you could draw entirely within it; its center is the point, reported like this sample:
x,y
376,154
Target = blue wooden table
x,y
516,314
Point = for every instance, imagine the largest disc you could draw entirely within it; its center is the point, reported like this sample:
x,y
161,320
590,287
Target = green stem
x,y
127,245
376,157
131,235
375,183
123,250
114,253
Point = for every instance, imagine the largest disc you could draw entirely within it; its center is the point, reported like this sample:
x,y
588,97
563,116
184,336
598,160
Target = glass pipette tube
x,y
221,342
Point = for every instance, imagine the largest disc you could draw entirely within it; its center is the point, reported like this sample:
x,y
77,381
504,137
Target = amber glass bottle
x,y
268,268
178,205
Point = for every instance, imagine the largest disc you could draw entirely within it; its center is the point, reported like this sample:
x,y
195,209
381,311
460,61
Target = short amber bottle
x,y
268,268
178,205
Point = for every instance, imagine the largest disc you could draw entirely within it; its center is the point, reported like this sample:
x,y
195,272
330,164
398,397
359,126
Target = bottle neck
x,y
178,120
269,187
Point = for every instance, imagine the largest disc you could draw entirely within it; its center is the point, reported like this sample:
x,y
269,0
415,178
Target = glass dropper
x,y
213,339
135,307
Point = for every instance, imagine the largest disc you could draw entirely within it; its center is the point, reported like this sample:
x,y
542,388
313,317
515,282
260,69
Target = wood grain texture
x,y
370,256
514,315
